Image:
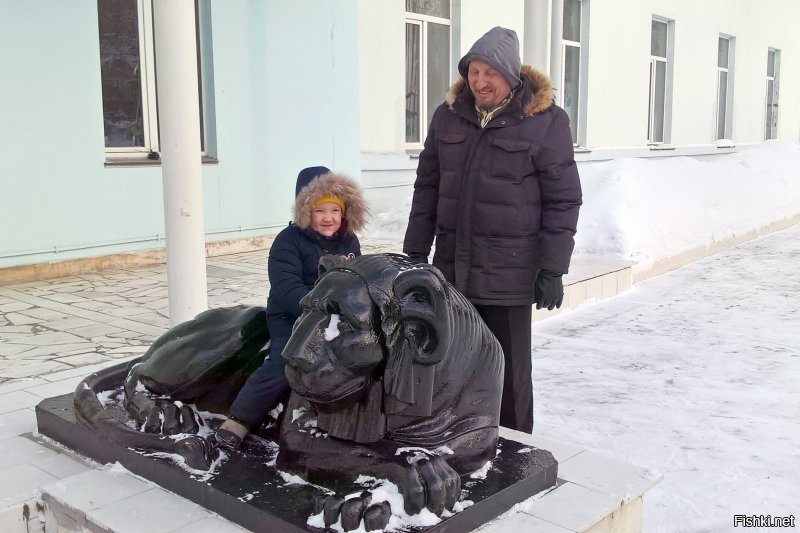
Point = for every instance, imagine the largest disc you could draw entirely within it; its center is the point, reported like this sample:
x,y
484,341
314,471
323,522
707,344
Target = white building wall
x,y
618,67
382,51
479,16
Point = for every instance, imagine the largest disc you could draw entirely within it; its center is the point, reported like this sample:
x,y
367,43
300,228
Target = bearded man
x,y
498,188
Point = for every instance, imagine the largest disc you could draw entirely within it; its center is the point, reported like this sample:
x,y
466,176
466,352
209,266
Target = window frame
x,y
578,125
727,127
668,61
771,131
422,21
148,80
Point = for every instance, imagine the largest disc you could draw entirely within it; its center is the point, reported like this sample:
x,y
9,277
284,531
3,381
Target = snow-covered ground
x,y
695,373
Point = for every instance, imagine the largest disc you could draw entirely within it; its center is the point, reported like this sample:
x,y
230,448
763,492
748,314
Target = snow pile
x,y
649,210
646,210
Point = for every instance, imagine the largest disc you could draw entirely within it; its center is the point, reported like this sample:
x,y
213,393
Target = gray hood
x,y
499,47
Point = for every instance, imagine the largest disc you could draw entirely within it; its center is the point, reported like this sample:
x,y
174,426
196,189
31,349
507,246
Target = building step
x,y
590,280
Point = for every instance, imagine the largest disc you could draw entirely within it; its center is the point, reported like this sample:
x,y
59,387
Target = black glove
x,y
418,258
548,291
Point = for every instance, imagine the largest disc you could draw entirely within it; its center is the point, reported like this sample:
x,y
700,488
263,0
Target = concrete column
x,y
179,124
556,33
536,36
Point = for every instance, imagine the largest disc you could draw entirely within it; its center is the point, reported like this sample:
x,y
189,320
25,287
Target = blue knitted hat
x,y
307,175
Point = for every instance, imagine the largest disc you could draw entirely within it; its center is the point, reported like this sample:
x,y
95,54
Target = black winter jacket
x,y
293,263
293,267
502,201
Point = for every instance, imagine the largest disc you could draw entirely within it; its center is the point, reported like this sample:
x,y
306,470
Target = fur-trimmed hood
x,y
540,83
347,189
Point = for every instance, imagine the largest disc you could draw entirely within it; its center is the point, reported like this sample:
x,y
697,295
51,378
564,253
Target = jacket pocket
x,y
509,265
511,159
451,150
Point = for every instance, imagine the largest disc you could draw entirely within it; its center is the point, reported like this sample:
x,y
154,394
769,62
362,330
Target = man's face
x,y
489,86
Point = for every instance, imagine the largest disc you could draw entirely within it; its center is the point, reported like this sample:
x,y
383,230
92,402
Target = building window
x,y
773,71
427,64
572,58
724,87
660,81
127,69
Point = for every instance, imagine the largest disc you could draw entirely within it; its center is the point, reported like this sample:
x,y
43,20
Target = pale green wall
x,y
286,96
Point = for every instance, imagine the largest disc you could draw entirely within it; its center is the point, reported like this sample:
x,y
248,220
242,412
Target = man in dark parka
x,y
498,188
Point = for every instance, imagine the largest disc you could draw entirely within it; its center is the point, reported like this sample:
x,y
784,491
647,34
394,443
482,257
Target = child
x,y
329,208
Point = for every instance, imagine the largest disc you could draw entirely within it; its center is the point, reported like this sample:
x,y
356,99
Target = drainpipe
x,y
179,121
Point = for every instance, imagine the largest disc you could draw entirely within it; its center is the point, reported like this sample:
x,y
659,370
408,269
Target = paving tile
x,y
17,422
43,313
559,507
56,388
560,450
16,329
80,372
13,349
93,305
11,306
18,319
52,338
82,359
18,399
594,289
18,384
29,370
624,280
38,293
94,489
69,323
138,327
609,286
619,479
576,294
19,450
521,522
127,350
54,350
61,466
21,482
66,298
153,511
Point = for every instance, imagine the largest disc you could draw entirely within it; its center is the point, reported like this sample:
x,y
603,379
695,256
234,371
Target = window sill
x,y
132,162
580,149
660,147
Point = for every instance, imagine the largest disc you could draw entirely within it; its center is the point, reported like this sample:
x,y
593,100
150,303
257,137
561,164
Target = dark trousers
x,y
512,327
267,385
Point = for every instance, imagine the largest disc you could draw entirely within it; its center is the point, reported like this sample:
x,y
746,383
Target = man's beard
x,y
487,108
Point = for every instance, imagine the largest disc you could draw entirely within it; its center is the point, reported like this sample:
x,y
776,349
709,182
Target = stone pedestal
x,y
247,489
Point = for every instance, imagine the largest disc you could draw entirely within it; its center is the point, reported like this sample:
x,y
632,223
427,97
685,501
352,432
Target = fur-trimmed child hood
x,y
347,189
541,87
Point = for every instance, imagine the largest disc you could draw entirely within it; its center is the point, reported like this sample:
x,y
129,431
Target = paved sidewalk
x,y
50,329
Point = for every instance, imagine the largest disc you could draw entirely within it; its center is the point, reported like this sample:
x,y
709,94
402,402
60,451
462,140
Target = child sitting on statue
x,y
329,209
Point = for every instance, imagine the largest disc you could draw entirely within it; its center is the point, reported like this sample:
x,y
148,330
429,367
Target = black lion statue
x,y
393,375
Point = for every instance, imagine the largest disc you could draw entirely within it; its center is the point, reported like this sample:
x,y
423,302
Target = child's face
x,y
326,219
